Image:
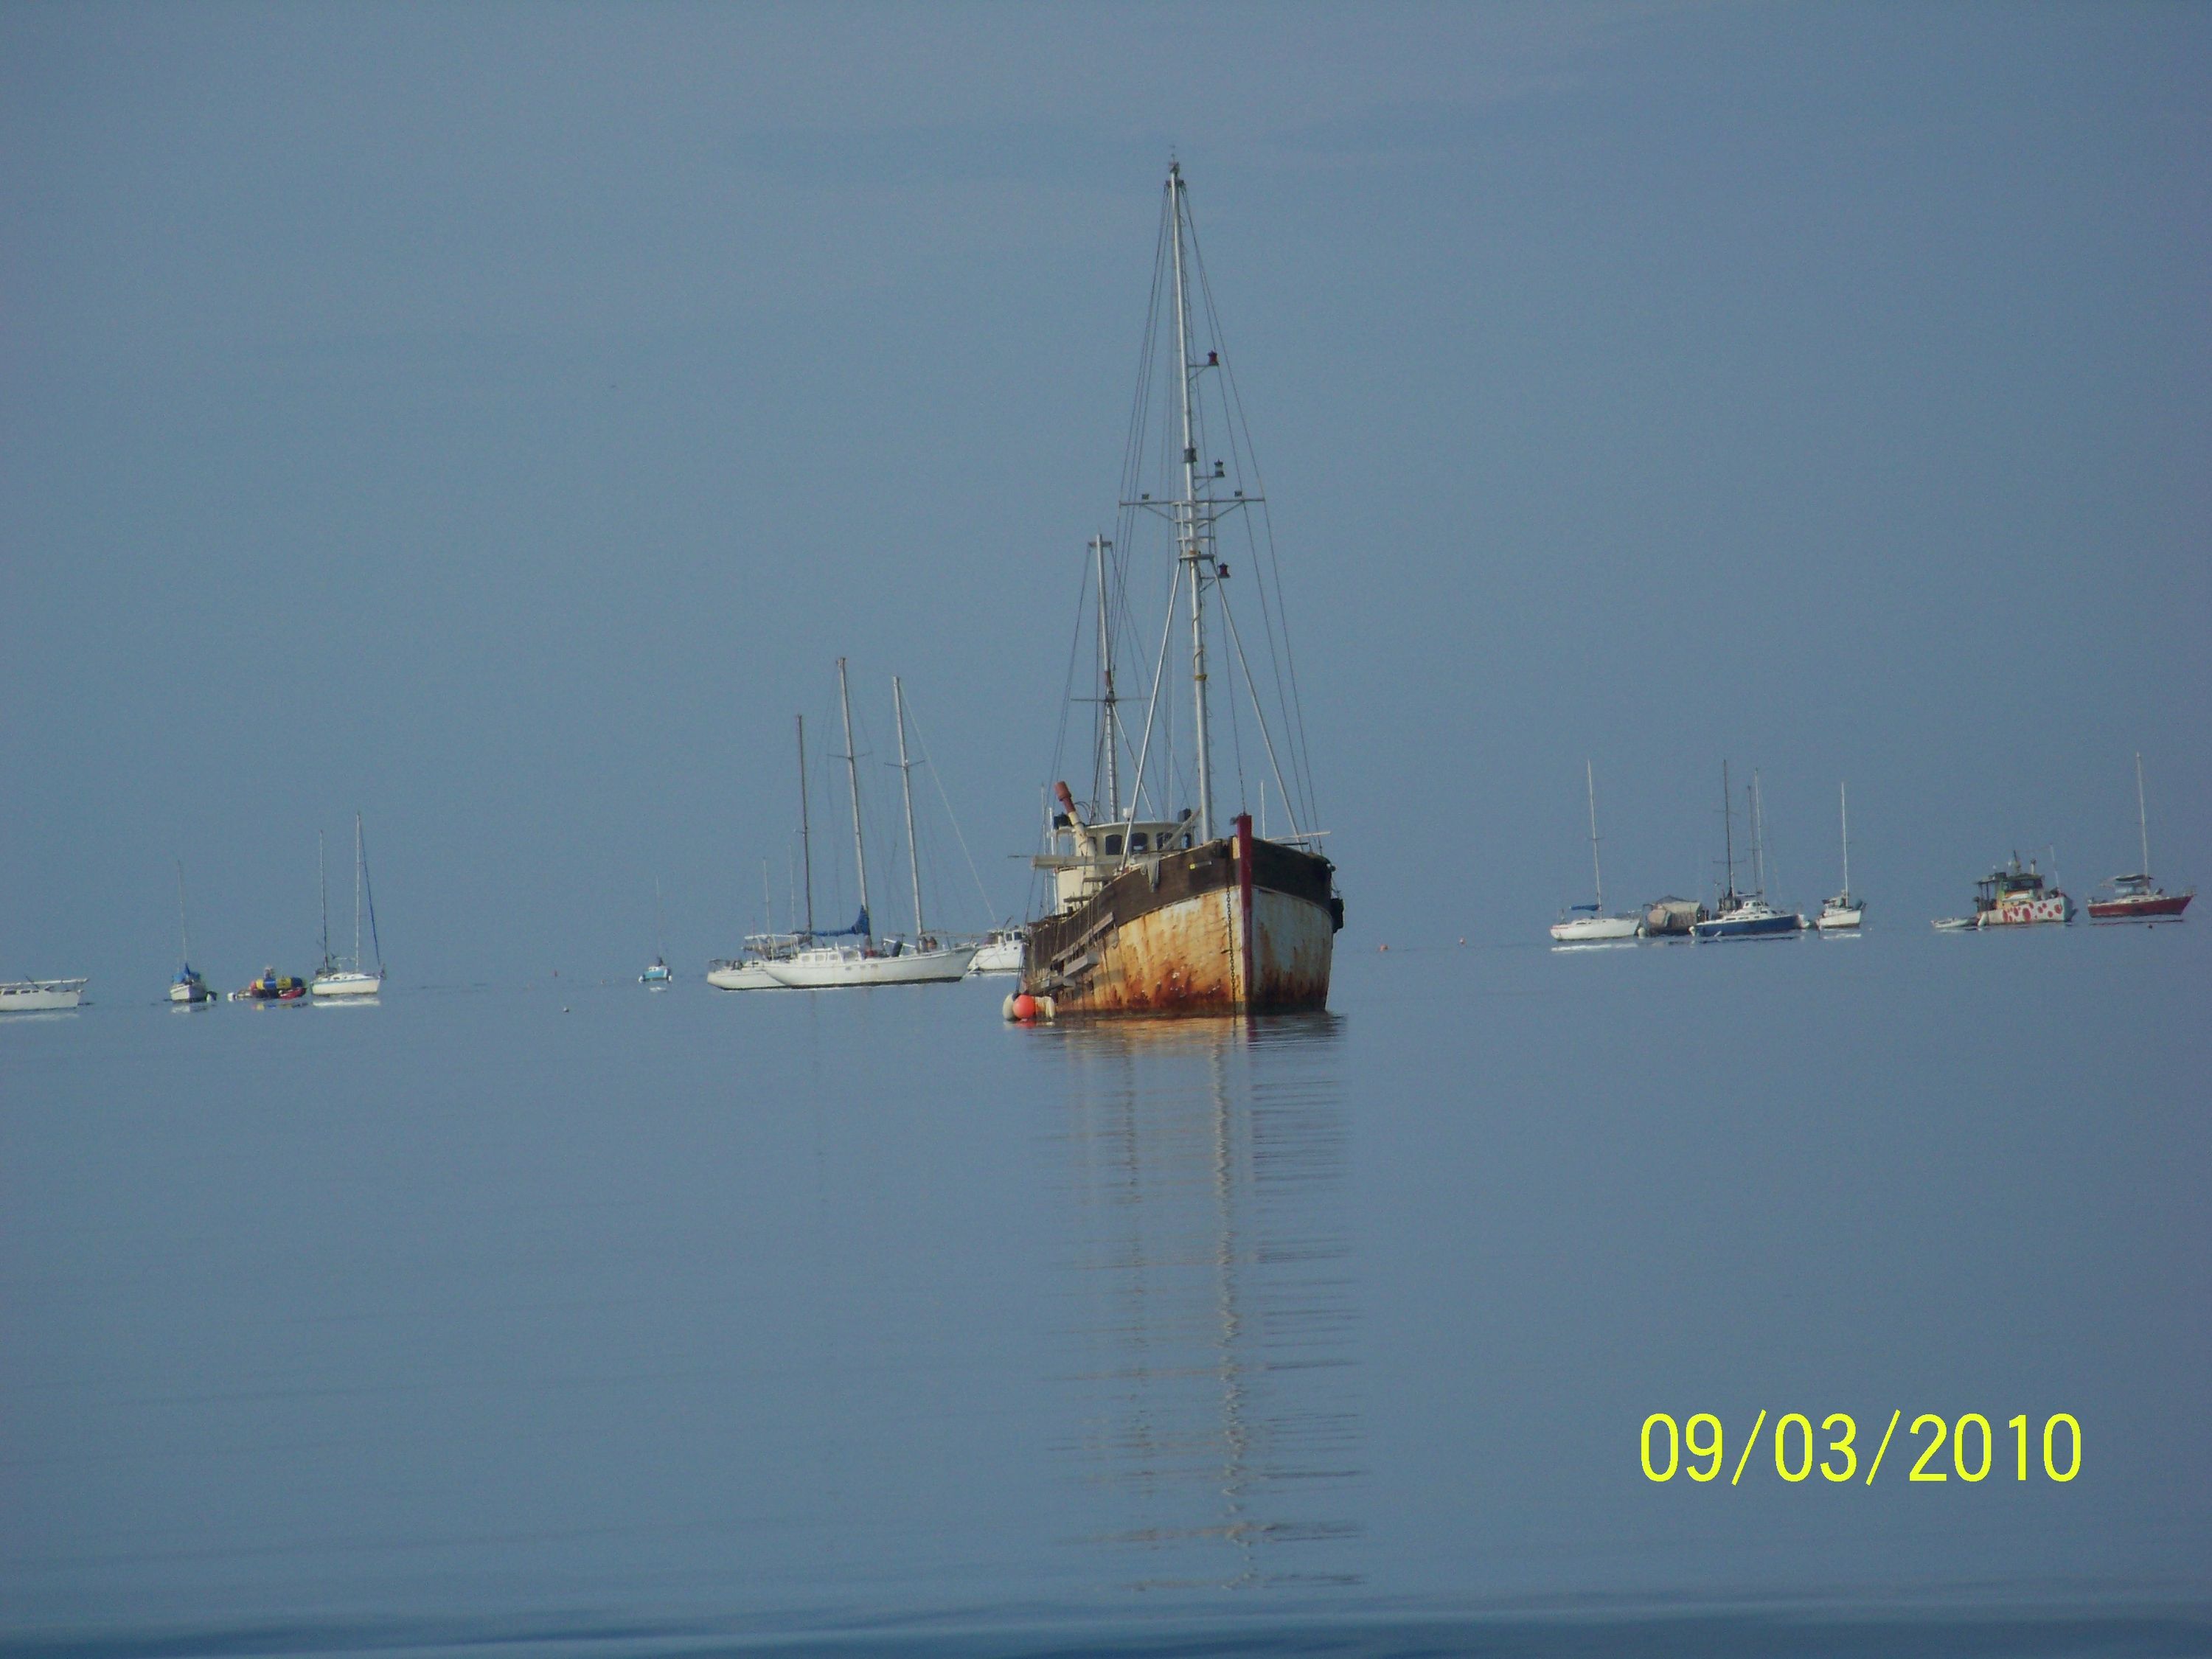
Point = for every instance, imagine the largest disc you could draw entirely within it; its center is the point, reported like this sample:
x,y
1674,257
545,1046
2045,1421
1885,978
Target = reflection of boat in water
x,y
40,996
2138,897
1155,910
1220,1427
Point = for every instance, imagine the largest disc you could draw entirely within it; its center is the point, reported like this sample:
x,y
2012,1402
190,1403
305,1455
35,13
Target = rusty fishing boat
x,y
1152,908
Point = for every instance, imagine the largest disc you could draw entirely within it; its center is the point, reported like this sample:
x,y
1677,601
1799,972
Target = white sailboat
x,y
189,987
351,979
1587,924
40,996
922,960
1842,913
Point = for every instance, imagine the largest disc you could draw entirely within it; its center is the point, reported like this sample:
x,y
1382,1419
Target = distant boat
x,y
1672,915
1588,923
350,978
922,960
1001,952
271,987
2012,896
36,996
1738,915
1953,924
1193,913
2136,897
1843,911
188,988
656,975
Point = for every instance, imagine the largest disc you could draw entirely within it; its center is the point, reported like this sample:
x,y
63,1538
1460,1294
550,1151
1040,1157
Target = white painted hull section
x,y
1833,921
744,976
1585,930
37,996
347,985
998,955
2009,913
194,991
829,969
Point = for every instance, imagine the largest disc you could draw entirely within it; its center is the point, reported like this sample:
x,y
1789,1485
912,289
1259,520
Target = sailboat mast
x,y
805,843
2143,819
1597,875
1728,828
323,887
1187,523
1099,547
1843,805
852,782
1757,844
184,931
356,892
906,780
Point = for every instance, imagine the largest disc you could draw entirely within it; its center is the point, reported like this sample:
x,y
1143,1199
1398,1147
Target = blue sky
x,y
499,419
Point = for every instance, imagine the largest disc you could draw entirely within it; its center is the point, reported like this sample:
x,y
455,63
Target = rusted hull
x,y
1233,926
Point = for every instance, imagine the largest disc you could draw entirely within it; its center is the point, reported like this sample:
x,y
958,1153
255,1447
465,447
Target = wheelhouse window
x,y
1113,846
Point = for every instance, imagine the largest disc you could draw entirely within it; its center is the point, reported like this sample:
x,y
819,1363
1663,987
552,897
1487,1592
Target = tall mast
x,y
1189,533
1758,840
1597,876
906,780
806,844
323,886
184,933
1728,828
1099,546
1843,805
2142,820
356,892
852,782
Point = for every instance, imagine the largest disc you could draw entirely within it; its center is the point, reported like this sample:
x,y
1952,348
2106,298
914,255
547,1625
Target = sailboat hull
x,y
347,984
1584,930
2140,907
828,970
1189,934
743,976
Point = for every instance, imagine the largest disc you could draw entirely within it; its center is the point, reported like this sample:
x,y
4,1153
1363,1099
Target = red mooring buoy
x,y
1025,1007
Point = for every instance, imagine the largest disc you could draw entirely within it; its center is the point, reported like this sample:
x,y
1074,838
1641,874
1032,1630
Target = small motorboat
x,y
656,975
1955,924
1000,952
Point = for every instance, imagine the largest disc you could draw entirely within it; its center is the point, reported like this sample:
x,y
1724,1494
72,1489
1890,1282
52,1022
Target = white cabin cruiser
x,y
38,996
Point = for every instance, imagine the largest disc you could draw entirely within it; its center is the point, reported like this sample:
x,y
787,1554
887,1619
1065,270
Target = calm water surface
x,y
585,1317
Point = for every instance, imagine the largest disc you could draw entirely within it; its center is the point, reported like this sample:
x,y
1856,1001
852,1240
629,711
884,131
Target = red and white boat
x,y
2012,897
2136,897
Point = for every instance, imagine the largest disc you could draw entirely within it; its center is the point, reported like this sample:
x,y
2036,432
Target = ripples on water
x,y
694,1323
1208,1162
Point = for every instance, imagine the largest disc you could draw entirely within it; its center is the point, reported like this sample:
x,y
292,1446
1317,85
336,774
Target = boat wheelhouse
x,y
2015,895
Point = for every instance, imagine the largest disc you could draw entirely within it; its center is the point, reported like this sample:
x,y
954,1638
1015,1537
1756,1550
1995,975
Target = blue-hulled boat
x,y
1744,915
